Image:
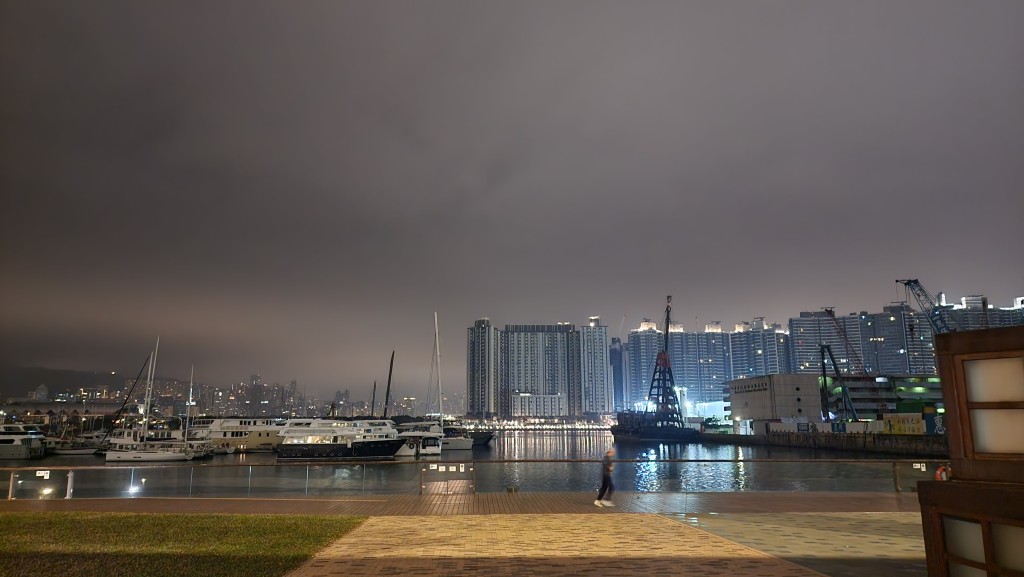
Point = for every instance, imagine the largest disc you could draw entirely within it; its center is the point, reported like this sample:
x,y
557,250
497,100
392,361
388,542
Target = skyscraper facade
x,y
595,366
642,349
814,328
544,360
486,398
616,355
898,341
701,362
757,348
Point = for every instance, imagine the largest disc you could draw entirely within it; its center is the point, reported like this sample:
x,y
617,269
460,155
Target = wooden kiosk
x,y
974,522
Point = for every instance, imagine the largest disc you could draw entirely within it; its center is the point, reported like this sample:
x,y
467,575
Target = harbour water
x,y
515,460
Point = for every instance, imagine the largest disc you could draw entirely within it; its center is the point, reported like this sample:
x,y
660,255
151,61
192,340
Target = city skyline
x,y
294,191
1009,315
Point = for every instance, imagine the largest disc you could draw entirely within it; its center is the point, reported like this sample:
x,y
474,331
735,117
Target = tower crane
x,y
928,304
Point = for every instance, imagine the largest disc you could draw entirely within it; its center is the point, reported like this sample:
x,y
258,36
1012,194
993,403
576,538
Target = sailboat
x,y
455,438
131,445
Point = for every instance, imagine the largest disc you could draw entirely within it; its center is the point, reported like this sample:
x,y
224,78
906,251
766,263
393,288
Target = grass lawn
x,y
162,545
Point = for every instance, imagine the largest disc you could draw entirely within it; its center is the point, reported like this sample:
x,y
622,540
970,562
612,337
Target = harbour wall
x,y
906,445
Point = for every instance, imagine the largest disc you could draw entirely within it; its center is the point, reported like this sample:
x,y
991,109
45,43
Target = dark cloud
x,y
294,190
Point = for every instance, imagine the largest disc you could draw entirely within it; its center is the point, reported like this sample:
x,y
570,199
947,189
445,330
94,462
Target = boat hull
x,y
359,450
456,443
74,450
419,446
146,456
482,438
664,434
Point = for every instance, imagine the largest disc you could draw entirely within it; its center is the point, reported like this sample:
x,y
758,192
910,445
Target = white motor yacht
x,y
21,441
421,439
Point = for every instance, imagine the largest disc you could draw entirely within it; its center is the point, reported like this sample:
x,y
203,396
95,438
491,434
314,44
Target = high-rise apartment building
x,y
812,329
487,396
642,349
701,362
616,355
596,383
757,348
898,341
538,370
974,312
544,360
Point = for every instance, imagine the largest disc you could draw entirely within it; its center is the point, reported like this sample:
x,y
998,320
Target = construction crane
x,y
854,363
855,366
929,305
824,389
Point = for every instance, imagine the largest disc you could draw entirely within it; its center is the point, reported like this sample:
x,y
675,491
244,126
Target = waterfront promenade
x,y
765,534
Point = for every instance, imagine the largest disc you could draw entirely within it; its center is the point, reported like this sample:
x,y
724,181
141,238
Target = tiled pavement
x,y
842,544
549,545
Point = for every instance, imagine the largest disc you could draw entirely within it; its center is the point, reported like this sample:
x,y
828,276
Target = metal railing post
x,y
896,477
10,490
472,468
422,469
71,484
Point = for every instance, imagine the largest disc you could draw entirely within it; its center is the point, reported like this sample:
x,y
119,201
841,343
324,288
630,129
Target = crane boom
x,y
857,365
928,304
839,380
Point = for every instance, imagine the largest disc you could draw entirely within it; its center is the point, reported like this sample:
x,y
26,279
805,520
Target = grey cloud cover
x,y
293,189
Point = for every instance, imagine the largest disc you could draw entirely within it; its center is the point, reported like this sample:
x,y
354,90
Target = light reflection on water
x,y
652,469
641,468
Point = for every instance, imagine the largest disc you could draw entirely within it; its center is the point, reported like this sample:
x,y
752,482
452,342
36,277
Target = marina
x,y
518,461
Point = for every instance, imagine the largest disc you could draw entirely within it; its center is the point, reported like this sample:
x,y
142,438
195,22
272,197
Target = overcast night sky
x,y
293,188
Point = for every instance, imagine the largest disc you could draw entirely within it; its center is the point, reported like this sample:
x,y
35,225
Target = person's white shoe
x,y
607,503
599,503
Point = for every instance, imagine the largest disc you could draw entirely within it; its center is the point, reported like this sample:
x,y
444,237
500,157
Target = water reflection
x,y
543,461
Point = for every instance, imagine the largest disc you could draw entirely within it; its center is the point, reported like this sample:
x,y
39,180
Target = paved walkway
x,y
549,545
493,535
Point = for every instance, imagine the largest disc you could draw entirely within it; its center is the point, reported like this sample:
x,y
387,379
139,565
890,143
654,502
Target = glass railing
x,y
299,480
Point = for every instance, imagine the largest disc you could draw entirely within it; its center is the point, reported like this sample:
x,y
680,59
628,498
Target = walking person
x,y
607,488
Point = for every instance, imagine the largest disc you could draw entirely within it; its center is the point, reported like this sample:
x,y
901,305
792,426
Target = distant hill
x,y
19,381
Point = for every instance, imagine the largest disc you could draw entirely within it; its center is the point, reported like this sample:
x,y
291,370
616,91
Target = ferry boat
x,y
335,440
21,441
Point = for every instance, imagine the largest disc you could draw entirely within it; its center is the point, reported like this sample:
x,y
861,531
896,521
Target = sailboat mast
x,y
437,353
387,391
373,402
149,395
188,409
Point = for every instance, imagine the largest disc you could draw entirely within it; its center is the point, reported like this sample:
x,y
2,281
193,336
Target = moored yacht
x,y
334,440
21,441
133,445
456,439
421,439
239,434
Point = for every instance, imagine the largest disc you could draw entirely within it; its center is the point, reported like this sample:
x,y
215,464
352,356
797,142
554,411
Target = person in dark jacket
x,y
607,488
